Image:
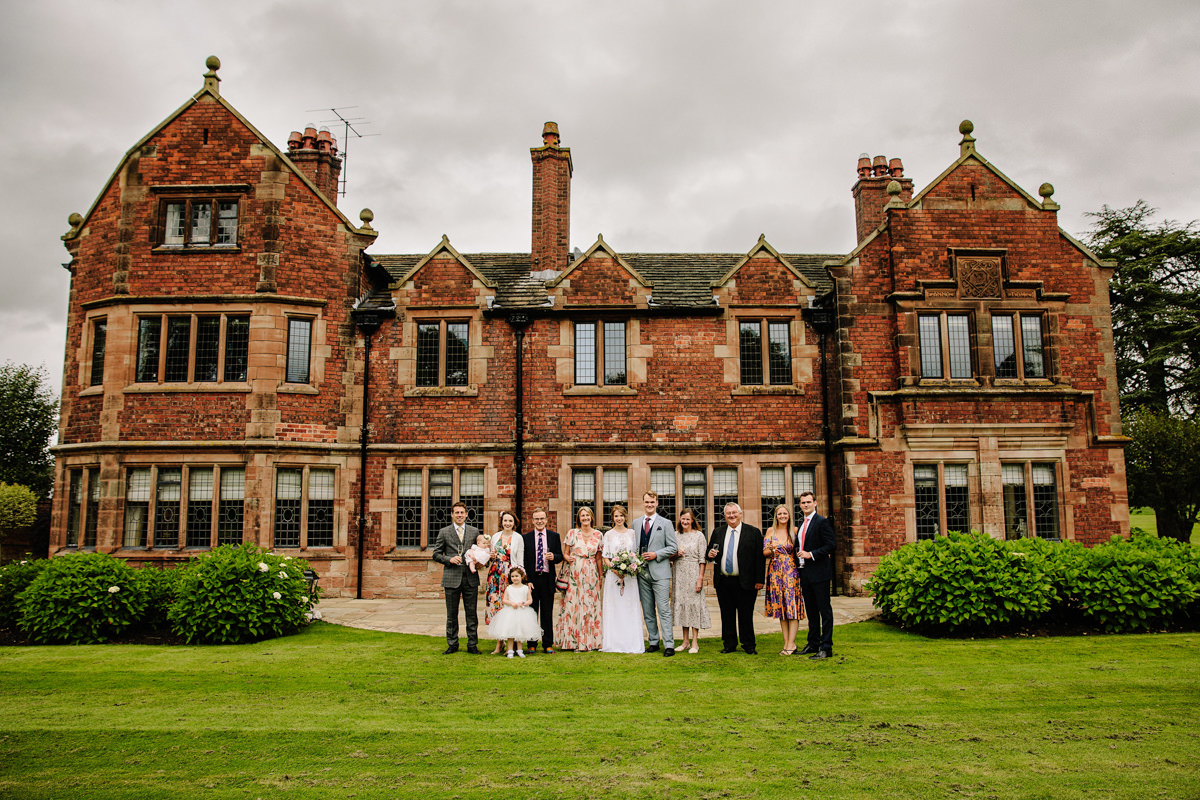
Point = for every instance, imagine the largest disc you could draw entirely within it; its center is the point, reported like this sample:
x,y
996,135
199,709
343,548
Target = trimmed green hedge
x,y
232,594
964,583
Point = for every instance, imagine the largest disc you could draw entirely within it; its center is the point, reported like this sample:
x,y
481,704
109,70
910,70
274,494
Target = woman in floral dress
x,y
578,625
508,550
690,607
782,599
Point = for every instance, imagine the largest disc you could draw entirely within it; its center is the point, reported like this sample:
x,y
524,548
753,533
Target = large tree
x,y
1155,294
28,419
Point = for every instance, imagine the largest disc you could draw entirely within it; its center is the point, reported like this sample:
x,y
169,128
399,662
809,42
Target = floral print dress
x,y
782,599
578,623
497,578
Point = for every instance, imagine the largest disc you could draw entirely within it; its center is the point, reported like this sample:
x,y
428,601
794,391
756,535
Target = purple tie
x,y
540,565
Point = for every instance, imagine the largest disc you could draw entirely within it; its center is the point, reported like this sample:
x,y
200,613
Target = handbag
x,y
561,584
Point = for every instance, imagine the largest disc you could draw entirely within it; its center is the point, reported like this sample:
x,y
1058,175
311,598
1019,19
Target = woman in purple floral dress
x,y
578,625
782,599
508,550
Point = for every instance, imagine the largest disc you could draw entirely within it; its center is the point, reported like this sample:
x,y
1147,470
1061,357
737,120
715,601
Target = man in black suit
x,y
458,581
815,544
543,549
739,570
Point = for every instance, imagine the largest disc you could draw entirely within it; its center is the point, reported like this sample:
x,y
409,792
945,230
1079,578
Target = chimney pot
x,y
294,140
880,166
896,168
864,166
550,136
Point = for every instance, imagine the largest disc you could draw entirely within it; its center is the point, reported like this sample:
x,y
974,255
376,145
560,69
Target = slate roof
x,y
681,280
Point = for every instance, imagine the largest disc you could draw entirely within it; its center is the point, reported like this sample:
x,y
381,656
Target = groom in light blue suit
x,y
657,545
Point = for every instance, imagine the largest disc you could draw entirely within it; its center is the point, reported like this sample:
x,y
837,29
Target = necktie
x,y
800,539
729,548
540,564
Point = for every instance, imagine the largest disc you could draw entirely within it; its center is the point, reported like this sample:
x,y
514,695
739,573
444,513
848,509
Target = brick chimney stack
x,y
870,192
551,202
316,154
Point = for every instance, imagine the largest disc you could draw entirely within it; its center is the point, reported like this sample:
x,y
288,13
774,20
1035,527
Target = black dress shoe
x,y
729,650
808,650
452,649
670,651
820,655
473,650
651,648
750,651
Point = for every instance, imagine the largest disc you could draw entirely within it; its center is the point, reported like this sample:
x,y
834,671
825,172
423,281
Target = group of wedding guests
x,y
650,574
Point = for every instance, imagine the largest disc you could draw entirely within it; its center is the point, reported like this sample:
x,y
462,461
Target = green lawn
x,y
338,712
1144,518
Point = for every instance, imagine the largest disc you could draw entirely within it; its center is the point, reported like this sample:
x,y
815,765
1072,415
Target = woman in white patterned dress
x,y
621,620
691,608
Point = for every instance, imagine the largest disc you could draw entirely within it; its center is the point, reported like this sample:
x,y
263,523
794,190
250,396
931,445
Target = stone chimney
x,y
316,154
870,192
551,202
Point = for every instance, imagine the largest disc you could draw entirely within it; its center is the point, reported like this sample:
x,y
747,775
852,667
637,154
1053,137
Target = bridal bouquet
x,y
626,564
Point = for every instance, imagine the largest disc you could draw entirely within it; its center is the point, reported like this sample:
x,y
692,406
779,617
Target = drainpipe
x,y
823,321
519,322
367,321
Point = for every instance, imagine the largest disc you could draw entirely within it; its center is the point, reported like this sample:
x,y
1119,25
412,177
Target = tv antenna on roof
x,y
347,129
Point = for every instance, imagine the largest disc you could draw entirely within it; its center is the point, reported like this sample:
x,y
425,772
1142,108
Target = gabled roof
x,y
444,246
600,245
968,154
211,90
680,280
761,246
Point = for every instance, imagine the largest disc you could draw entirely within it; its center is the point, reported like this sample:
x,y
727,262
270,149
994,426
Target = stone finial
x,y
967,145
893,191
550,137
367,216
75,220
1046,191
211,79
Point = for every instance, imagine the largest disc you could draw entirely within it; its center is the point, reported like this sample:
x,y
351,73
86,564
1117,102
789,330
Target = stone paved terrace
x,y
428,617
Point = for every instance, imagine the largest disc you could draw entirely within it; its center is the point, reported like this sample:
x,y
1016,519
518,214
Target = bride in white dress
x,y
621,620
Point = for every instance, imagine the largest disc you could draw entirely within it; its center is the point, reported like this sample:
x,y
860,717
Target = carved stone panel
x,y
979,277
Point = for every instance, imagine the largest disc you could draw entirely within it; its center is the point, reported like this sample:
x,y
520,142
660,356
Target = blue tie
x,y
729,552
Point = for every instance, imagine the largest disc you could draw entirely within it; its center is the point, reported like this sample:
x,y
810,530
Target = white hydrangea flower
x,y
304,599
277,595
262,567
282,574
114,589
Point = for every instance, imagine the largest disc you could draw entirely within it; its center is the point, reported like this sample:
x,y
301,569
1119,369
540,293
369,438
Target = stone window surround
x,y
478,356
805,357
636,357
386,504
339,511
188,195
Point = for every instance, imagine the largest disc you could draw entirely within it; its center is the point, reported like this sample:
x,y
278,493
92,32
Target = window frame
x,y
165,239
441,370
792,476
155,511
312,510
1017,342
942,498
769,372
948,344
602,353
99,330
605,492
1030,522
419,531
225,355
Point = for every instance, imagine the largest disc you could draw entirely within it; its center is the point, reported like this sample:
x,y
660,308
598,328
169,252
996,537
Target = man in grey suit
x,y
657,545
458,581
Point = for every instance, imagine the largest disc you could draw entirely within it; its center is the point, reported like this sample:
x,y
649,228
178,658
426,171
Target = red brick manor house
x,y
229,333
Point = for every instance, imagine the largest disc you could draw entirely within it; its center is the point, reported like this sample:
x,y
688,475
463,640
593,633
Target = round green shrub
x,y
1136,584
83,598
961,583
240,594
14,579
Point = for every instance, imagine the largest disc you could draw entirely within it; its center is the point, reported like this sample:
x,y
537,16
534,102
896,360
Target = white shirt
x,y
731,546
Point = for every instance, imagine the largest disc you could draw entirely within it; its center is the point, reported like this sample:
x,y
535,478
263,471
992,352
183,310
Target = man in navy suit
x,y
815,544
543,549
739,571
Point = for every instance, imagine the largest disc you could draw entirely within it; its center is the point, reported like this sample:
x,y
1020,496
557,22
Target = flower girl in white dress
x,y
516,620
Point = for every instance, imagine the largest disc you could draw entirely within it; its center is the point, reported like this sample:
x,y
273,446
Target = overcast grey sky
x,y
693,126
